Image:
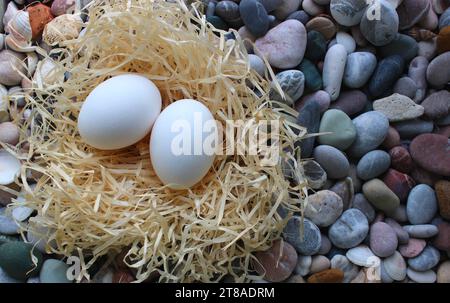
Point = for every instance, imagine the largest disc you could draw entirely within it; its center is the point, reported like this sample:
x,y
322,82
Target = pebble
x,y
347,41
430,151
373,164
320,97
383,276
405,86
422,231
257,64
247,38
442,188
402,235
428,49
380,31
9,133
357,182
371,130
292,82
443,40
349,230
444,20
270,5
417,72
349,269
399,214
443,272
314,174
348,12
54,271
426,260
303,265
400,184
310,243
284,45
360,66
325,245
412,128
383,239
312,8
411,12
15,259
21,213
333,70
386,74
344,189
301,16
351,102
401,159
277,263
7,224
438,71
11,67
332,160
421,205
342,129
403,45
252,12
316,47
323,25
442,240
362,256
61,7
437,105
286,8
217,22
413,248
380,195
323,208
360,202
428,276
327,276
313,79
319,263
392,138
395,266
5,278
309,117
397,107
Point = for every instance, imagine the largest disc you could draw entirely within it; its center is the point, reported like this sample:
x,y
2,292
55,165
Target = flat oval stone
x,y
360,202
411,11
350,102
383,239
333,70
428,276
323,25
443,273
431,151
310,243
292,82
371,129
397,107
348,12
444,20
332,160
323,208
395,266
284,45
349,230
401,159
413,248
286,8
400,184
402,45
426,260
349,269
277,263
422,231
313,79
342,129
437,105
411,128
308,117
387,72
362,256
254,16
327,276
442,188
380,195
402,235
373,164
320,97
316,46
421,205
406,86
379,30
344,189
360,66
442,240
438,72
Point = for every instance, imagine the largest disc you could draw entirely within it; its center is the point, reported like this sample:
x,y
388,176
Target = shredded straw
x,y
101,202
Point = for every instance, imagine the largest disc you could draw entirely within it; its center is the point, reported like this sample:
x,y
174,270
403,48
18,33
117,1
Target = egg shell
x,y
119,112
180,147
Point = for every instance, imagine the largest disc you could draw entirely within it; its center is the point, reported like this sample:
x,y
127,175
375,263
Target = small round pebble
x,y
360,66
386,74
351,102
332,160
401,159
422,231
349,230
349,269
309,243
380,195
348,12
373,164
436,105
319,263
428,276
362,256
253,14
430,151
54,271
323,208
426,260
406,86
421,206
438,72
342,130
383,239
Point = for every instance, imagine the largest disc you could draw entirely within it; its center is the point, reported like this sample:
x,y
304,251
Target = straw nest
x,y
96,203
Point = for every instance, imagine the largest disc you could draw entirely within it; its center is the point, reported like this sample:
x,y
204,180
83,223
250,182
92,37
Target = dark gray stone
x,y
388,71
309,117
412,128
255,17
311,241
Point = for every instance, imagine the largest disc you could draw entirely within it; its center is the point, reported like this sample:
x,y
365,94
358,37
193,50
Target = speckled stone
x,y
292,82
397,107
387,72
254,16
373,164
310,243
323,208
348,12
359,68
349,230
351,102
380,31
401,159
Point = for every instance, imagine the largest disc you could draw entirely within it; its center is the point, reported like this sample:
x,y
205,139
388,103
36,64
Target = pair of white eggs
x,y
123,109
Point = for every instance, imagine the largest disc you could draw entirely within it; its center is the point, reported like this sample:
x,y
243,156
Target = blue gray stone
x,y
402,45
386,74
360,202
382,29
227,10
349,230
422,204
255,17
444,20
373,164
301,16
54,271
426,260
412,128
308,117
360,66
311,241
422,231
332,160
292,83
7,224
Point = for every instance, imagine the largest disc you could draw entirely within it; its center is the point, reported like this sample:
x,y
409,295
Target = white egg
x,y
183,143
119,112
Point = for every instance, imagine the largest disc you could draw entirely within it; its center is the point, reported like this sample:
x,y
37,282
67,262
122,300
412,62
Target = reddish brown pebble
x,y
443,130
401,159
442,240
421,175
277,263
401,184
431,152
392,139
443,40
123,276
323,25
442,189
413,248
40,15
333,275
